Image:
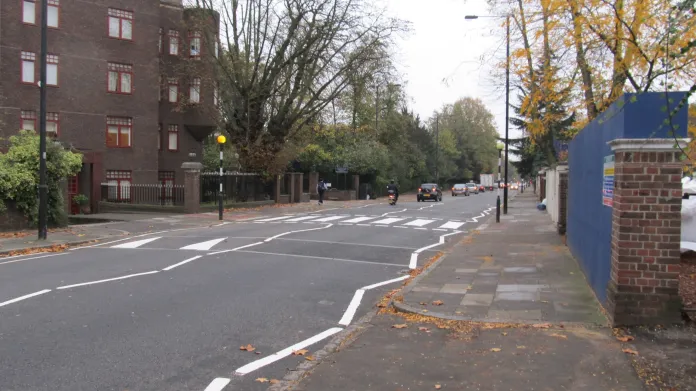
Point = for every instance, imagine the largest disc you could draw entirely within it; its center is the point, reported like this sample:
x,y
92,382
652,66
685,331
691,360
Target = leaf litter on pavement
x,y
248,348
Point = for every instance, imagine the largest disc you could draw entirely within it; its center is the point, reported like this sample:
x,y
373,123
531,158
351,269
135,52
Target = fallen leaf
x,y
381,305
423,329
504,334
300,352
521,347
309,358
542,326
248,348
458,312
438,302
262,380
400,326
625,338
437,386
274,381
423,303
630,351
424,310
496,349
559,336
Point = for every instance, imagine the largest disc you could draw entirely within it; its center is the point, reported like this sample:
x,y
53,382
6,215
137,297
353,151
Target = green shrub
x,y
19,176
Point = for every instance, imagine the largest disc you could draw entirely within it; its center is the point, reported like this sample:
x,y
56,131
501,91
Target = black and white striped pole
x,y
500,147
221,141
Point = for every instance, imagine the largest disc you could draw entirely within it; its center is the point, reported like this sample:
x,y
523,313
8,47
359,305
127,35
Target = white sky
x,y
443,45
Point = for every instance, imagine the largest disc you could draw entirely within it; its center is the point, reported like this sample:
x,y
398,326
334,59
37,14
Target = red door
x,y
72,192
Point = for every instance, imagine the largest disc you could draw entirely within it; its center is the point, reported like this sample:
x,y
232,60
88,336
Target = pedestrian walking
x,y
321,188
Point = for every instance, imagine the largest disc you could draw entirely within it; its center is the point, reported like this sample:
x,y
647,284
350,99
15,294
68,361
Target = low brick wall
x,y
13,220
106,207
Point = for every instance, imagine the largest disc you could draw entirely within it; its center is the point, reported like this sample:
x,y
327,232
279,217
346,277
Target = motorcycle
x,y
392,199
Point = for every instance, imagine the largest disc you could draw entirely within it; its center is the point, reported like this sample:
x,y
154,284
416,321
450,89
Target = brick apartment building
x,y
127,84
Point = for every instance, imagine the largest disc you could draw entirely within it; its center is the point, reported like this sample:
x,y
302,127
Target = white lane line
x,y
137,243
181,263
385,282
221,224
203,246
420,250
388,220
452,225
414,261
218,384
414,256
419,222
24,297
326,210
107,280
363,225
399,226
252,366
322,258
344,224
134,237
27,259
439,229
330,218
478,217
359,219
396,211
350,243
272,219
301,218
236,248
422,229
301,230
352,307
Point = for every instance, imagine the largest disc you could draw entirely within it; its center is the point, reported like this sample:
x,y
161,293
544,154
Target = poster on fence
x,y
608,184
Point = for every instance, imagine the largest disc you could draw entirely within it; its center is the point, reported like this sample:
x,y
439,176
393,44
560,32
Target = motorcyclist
x,y
392,187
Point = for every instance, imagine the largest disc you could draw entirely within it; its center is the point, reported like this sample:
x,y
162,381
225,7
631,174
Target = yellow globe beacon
x,y
221,139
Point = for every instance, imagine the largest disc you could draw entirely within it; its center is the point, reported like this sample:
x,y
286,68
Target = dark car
x,y
429,191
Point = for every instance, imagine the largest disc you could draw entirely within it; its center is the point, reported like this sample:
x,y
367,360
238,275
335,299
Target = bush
x,y
19,176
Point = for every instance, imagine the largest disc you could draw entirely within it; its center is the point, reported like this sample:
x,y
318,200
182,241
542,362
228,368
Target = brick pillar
x,y
276,189
313,181
646,233
562,199
192,186
297,180
292,189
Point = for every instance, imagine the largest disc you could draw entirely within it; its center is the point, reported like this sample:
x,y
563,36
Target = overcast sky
x,y
445,46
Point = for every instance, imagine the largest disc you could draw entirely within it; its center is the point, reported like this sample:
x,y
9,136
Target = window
x,y
161,37
195,44
29,11
52,124
27,120
118,132
173,137
173,42
53,17
120,24
195,90
51,70
216,94
120,78
217,49
119,183
173,89
28,67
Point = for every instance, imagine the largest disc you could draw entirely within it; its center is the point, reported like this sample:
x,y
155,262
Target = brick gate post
x,y
192,186
646,233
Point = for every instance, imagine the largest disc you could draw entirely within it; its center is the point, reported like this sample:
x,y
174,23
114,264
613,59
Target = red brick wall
x,y
646,231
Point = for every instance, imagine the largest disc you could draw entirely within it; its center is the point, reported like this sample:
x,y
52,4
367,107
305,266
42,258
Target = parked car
x,y
429,191
473,188
459,189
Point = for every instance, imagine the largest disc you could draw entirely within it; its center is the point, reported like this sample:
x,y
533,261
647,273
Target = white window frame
x,y
52,61
195,90
29,11
53,13
28,59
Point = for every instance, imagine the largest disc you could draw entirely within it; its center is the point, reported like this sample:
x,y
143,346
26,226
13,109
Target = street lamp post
x,y
43,187
507,98
500,147
221,142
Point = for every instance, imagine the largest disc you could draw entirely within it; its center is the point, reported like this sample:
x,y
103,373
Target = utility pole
x,y
221,142
437,148
43,187
507,115
497,201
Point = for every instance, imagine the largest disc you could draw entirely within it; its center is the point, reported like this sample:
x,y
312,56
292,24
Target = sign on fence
x,y
608,185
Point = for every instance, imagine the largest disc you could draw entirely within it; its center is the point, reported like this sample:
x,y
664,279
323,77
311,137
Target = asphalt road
x,y
198,294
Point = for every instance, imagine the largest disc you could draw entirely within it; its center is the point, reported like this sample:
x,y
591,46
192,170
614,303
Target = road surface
x,y
170,310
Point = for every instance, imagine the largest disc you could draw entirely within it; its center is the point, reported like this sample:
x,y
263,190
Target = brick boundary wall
x,y
646,233
562,202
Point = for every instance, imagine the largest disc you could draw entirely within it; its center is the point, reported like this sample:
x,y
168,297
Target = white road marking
x,y
344,224
385,282
272,219
301,230
420,250
420,222
439,229
452,225
414,261
107,280
24,297
363,225
203,246
350,243
396,211
27,259
236,249
181,263
217,384
137,243
133,237
399,226
302,218
388,220
252,366
358,219
352,307
414,256
330,218
478,217
326,210
322,258
422,229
